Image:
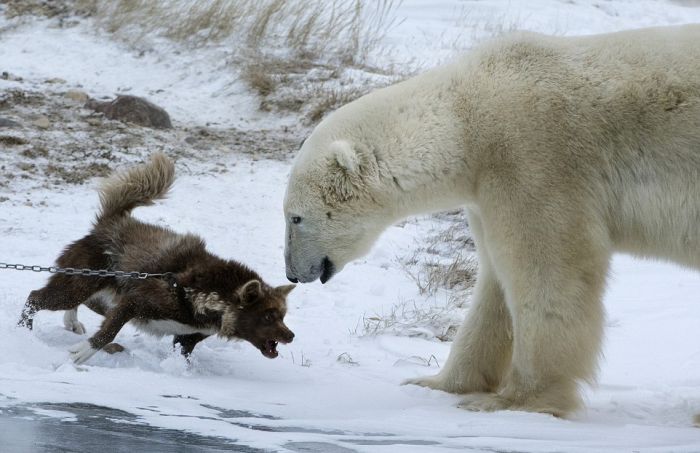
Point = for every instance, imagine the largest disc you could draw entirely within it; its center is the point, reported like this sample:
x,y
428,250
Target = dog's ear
x,y
284,290
250,292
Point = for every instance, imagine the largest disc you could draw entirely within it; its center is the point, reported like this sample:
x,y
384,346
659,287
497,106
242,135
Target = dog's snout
x,y
289,336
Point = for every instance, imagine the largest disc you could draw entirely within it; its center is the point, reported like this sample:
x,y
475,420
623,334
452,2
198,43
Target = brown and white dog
x,y
206,295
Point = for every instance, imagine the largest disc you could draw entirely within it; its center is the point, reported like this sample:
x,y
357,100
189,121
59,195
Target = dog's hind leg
x,y
62,292
26,319
188,342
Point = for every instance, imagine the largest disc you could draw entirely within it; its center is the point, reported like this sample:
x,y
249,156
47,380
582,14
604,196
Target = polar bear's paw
x,y
436,382
543,403
425,381
448,382
485,402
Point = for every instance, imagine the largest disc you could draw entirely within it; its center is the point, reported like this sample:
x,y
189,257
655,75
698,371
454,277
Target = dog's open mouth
x,y
269,349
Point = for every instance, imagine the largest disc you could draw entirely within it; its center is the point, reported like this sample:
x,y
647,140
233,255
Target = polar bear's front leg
x,y
481,351
553,275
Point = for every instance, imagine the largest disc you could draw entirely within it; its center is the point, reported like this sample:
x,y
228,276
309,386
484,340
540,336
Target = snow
x,y
193,86
332,387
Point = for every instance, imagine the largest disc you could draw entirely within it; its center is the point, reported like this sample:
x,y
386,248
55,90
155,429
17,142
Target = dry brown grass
x,y
187,21
327,99
410,319
446,260
444,269
286,50
16,8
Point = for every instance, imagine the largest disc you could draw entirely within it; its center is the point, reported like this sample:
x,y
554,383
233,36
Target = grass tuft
x,y
444,269
288,51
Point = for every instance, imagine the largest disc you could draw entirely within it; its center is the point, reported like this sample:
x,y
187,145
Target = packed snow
x,y
334,388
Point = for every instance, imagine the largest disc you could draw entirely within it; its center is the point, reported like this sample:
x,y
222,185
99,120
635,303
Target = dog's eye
x,y
296,219
268,318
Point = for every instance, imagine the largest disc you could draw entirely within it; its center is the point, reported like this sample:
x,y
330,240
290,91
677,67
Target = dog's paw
x,y
113,348
26,322
81,352
70,321
77,327
27,318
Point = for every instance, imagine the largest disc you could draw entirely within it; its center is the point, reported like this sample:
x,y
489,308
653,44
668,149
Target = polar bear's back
x,y
631,87
675,49
614,117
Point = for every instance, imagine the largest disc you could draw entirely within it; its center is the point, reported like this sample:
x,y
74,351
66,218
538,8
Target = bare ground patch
x,y
299,56
55,140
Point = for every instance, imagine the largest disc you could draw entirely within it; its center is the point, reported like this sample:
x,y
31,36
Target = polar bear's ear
x,y
345,156
342,178
352,170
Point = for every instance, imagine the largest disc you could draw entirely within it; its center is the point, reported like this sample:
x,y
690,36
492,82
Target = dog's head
x,y
253,311
260,317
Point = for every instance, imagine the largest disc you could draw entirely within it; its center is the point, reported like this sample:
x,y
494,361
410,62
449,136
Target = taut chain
x,y
86,272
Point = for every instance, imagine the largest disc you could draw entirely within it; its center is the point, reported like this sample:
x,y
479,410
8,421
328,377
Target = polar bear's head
x,y
334,207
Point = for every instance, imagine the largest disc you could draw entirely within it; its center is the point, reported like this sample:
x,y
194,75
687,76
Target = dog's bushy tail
x,y
139,186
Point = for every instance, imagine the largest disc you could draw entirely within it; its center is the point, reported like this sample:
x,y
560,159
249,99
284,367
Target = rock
x,y
5,123
77,96
7,76
42,122
10,140
92,121
133,109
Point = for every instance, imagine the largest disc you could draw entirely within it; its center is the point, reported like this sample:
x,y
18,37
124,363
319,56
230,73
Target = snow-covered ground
x,y
332,389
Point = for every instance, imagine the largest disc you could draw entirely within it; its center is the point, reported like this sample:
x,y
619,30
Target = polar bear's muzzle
x,y
323,271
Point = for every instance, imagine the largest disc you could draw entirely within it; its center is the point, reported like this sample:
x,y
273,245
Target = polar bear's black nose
x,y
292,279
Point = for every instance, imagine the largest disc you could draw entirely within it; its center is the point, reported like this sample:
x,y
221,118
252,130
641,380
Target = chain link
x,y
85,272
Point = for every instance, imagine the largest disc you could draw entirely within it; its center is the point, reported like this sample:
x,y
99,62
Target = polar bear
x,y
563,150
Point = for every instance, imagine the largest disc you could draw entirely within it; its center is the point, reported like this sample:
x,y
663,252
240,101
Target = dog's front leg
x,y
114,321
188,342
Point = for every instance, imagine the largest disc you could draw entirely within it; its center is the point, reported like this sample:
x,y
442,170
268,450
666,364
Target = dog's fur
x,y
207,296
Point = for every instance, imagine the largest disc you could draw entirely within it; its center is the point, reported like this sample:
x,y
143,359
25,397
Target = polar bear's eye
x,y
296,219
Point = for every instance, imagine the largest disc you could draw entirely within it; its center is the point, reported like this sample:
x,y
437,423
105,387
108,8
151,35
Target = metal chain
x,y
85,272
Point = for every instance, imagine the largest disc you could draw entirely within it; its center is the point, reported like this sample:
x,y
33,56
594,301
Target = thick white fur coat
x,y
564,150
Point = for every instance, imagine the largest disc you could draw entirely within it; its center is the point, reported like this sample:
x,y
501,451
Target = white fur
x,y
81,352
563,150
70,321
345,155
106,299
163,327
